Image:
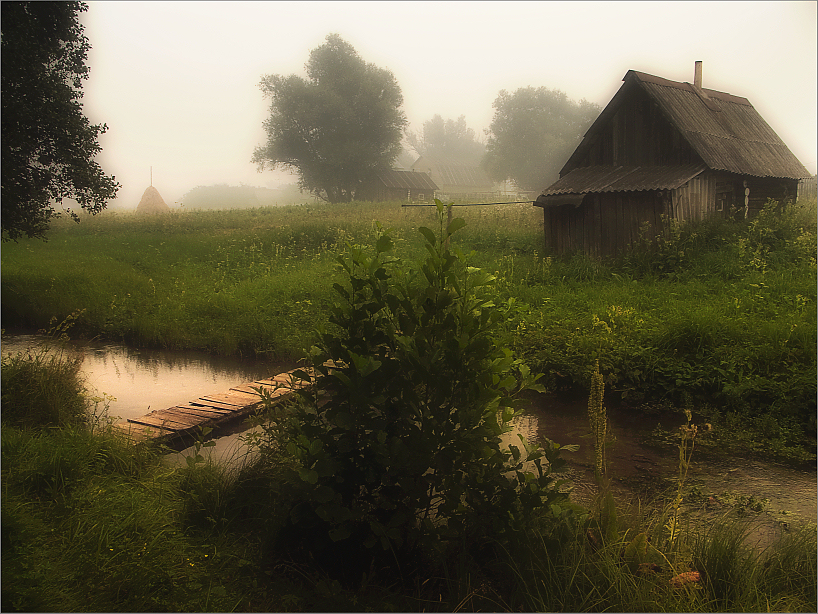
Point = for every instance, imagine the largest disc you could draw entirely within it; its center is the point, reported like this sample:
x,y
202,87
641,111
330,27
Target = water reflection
x,y
145,380
791,494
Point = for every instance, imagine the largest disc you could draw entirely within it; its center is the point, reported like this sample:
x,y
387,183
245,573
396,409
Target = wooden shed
x,y
665,148
404,186
457,181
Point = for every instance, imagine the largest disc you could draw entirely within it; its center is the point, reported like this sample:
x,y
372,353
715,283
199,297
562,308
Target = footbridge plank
x,y
211,410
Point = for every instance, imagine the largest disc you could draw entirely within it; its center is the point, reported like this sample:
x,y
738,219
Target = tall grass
x,y
90,523
249,282
723,311
43,385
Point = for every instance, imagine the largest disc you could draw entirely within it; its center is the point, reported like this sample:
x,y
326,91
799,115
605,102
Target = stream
x,y
139,381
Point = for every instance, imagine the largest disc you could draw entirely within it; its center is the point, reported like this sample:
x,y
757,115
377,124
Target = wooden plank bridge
x,y
214,410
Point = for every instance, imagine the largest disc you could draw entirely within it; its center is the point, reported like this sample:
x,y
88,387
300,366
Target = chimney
x,y
697,75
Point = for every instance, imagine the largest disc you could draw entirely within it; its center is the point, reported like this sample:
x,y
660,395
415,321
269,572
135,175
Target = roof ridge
x,y
684,85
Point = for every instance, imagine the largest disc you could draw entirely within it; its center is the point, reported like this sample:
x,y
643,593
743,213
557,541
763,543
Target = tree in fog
x,y
448,139
48,145
533,133
337,127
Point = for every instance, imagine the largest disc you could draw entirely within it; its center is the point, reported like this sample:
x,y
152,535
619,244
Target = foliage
x,y
338,127
43,387
90,523
605,514
708,569
399,444
712,323
693,314
532,134
449,139
48,144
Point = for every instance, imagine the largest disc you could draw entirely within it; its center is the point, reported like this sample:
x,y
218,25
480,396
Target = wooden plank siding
x,y
604,224
639,134
761,189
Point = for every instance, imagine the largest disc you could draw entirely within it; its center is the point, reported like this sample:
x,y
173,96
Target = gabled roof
x,y
450,173
408,180
724,130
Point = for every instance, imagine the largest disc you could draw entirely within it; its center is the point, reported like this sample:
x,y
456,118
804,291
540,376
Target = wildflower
x,y
685,578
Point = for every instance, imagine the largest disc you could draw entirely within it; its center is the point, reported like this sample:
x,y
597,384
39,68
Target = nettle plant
x,y
398,444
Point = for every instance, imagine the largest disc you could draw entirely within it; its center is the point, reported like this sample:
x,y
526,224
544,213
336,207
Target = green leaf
x,y
340,533
515,452
457,224
323,494
341,290
308,475
384,244
302,375
428,235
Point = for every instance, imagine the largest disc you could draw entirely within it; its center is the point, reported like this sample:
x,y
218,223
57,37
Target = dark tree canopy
x,y
533,133
448,139
337,127
48,144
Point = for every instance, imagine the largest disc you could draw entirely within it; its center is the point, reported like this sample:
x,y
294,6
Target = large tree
x,y
533,133
48,144
336,128
449,139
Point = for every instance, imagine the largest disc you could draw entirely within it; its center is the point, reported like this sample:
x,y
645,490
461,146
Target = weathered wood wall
x,y
695,199
807,188
761,189
638,134
604,224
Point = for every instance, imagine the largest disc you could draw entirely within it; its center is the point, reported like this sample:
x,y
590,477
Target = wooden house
x,y
403,186
663,148
457,181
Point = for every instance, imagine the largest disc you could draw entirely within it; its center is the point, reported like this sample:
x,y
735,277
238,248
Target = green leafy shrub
x,y
399,443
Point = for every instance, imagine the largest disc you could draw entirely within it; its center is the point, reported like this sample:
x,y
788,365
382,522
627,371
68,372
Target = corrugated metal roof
x,y
724,130
409,180
589,179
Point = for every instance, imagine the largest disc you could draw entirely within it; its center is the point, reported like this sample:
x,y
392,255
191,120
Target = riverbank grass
x,y
721,311
92,524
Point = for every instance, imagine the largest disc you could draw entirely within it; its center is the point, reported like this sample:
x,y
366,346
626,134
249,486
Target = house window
x,y
422,198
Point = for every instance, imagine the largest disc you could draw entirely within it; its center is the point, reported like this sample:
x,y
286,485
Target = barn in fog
x,y
403,186
665,148
457,181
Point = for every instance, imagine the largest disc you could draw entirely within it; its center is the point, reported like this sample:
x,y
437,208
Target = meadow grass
x,y
720,311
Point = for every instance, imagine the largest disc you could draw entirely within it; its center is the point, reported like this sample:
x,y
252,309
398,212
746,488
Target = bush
x,y
399,444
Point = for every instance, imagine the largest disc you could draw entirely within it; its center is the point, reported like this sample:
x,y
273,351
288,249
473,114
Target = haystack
x,y
152,202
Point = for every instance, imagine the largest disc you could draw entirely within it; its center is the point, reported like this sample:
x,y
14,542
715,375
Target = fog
x,y
177,82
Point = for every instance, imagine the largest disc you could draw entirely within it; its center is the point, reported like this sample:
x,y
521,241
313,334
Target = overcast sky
x,y
177,82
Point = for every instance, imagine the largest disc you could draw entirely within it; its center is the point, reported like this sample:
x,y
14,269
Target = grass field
x,y
721,315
